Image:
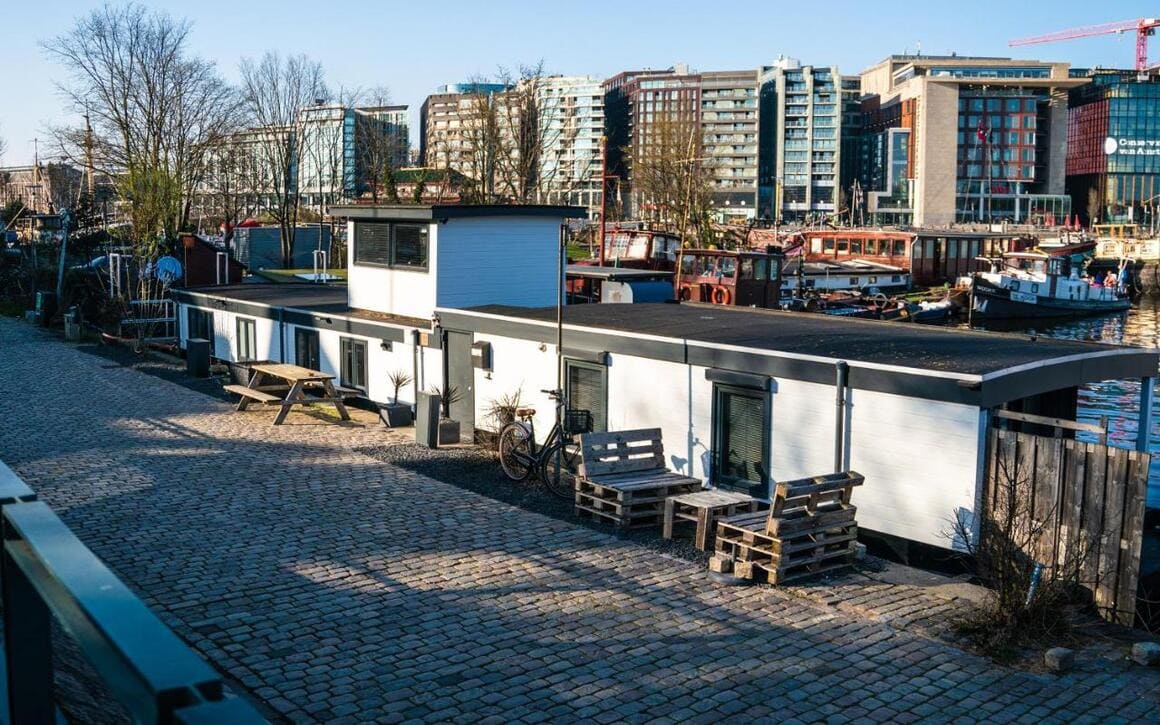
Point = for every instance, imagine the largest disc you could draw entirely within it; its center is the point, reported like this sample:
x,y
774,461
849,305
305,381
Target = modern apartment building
x,y
338,144
444,120
803,112
979,139
720,110
573,123
1113,147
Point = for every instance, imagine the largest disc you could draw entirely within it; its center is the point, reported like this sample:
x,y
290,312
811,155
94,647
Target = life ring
x,y
721,296
685,294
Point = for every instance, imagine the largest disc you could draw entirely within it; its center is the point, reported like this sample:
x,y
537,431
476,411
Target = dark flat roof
x,y
323,299
614,274
439,212
980,368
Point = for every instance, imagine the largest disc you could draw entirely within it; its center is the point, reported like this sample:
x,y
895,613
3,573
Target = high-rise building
x,y
719,109
444,122
980,139
802,121
339,142
1113,147
573,124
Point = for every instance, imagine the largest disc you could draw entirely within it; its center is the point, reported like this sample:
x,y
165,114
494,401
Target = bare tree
x,y
670,184
155,112
482,133
274,90
381,146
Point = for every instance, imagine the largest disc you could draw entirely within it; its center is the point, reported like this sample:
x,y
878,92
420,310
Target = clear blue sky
x,y
413,47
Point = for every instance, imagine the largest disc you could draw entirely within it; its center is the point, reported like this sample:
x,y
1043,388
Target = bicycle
x,y
553,462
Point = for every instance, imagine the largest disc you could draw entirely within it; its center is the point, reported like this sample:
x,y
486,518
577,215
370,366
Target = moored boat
x,y
1035,284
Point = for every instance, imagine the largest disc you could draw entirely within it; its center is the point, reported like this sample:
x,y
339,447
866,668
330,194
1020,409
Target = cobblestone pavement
x,y
337,588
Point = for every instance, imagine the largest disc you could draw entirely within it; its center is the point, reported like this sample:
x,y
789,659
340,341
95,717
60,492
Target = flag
x,y
981,132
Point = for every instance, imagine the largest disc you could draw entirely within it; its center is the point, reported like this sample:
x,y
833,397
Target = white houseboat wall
x,y
907,406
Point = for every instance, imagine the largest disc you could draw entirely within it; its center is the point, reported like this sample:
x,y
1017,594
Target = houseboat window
x,y
899,247
828,245
391,245
354,363
740,433
728,267
855,246
746,268
1034,287
247,339
871,280
843,245
586,387
853,281
410,246
952,249
199,325
896,278
871,247
306,348
816,245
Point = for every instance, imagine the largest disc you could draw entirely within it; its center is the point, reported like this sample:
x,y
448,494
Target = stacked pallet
x,y
809,529
624,479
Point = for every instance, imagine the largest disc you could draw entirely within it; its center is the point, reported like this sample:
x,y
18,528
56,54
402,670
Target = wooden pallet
x,y
814,531
623,478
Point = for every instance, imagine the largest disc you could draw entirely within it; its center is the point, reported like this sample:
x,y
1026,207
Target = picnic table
x,y
292,379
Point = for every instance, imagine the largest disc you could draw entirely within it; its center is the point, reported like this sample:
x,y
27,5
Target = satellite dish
x,y
168,269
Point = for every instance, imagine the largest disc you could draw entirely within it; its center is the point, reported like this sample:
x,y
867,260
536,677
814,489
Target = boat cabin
x,y
721,277
588,283
638,249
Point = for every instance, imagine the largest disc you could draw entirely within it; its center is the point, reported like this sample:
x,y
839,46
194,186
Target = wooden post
x,y
1144,426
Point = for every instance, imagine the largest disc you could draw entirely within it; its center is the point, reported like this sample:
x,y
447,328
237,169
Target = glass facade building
x,y
1113,157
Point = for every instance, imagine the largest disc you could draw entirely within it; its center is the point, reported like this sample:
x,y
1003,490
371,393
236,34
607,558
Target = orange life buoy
x,y
721,296
685,293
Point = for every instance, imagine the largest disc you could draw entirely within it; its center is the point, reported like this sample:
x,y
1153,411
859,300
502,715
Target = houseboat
x,y
1035,284
743,278
930,257
743,397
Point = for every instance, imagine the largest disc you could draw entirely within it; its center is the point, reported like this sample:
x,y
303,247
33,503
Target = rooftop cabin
x,y
408,260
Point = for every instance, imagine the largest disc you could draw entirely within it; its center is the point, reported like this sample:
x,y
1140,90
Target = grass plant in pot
x,y
394,413
448,428
502,411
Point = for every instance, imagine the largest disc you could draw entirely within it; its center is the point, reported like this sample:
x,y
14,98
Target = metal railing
x,y
46,572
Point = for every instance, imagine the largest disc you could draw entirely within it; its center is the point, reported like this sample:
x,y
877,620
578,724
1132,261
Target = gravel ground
x,y
478,470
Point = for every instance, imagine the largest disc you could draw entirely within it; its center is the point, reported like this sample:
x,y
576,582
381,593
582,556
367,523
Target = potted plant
x,y
394,413
448,428
503,408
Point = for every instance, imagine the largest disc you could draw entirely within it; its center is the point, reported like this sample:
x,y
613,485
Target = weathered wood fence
x,y
1089,501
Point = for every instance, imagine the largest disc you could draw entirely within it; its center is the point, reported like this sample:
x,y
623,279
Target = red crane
x,y
1143,27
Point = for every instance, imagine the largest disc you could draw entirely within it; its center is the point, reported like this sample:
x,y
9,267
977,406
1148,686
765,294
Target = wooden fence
x,y
1089,501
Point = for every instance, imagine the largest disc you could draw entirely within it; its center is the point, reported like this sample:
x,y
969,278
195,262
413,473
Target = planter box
x,y
448,431
396,415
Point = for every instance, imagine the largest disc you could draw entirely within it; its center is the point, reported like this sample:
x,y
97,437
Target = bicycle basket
x,y
577,421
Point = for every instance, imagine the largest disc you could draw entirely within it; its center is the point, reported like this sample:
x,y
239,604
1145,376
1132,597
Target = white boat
x,y
1035,284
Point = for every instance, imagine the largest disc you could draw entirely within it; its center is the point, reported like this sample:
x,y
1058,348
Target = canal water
x,y
1119,400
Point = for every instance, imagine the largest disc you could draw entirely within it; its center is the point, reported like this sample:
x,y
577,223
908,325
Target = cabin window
x,y
306,348
354,363
828,245
247,339
728,267
381,244
872,280
586,387
843,246
853,281
952,249
896,278
740,438
899,247
1034,287
199,325
855,246
871,247
815,245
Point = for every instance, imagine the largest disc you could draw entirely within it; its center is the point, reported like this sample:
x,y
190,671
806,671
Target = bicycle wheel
x,y
561,462
515,452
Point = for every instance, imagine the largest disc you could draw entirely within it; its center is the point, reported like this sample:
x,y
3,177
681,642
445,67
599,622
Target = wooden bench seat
x,y
623,477
259,395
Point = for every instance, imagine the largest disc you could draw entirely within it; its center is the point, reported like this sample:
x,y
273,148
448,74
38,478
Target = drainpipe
x,y
415,338
842,371
281,337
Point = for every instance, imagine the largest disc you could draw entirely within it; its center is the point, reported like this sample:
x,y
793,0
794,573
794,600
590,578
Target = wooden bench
x,y
253,394
810,528
623,478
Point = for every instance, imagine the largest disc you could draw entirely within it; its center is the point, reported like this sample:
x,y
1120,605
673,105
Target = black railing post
x,y
27,640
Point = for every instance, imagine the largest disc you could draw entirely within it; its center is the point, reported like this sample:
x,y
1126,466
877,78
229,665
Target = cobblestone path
x,y
337,588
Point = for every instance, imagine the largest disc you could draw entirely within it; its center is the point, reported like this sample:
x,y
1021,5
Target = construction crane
x,y
1143,27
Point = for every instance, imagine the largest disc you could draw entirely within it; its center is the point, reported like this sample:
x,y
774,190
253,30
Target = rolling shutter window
x,y
740,440
372,243
586,390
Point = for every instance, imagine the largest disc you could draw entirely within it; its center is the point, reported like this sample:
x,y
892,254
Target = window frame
x,y
393,245
764,488
345,364
303,333
205,326
246,343
598,426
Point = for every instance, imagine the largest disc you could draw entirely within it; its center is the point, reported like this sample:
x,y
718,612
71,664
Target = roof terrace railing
x,y
46,571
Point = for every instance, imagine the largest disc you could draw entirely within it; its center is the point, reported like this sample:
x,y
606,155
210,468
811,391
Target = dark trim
x,y
347,325
441,212
589,356
766,430
738,380
227,305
